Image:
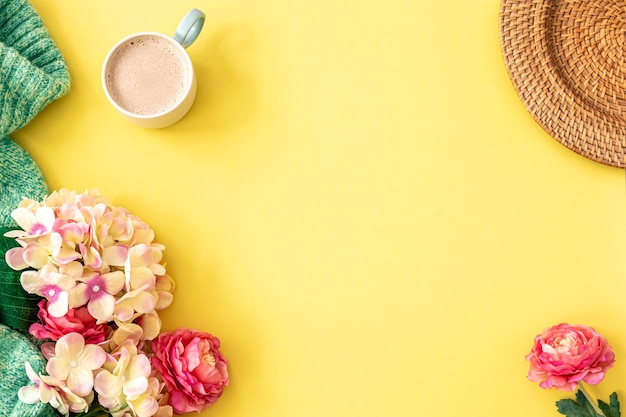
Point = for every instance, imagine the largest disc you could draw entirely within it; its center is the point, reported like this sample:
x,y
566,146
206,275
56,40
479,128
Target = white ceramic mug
x,y
149,78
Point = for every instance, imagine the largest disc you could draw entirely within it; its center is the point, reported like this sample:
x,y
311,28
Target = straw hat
x,y
567,62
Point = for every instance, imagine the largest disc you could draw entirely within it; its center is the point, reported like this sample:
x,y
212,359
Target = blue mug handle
x,y
189,28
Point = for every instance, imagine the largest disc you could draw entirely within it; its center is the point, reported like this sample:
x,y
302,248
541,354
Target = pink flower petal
x,y
58,368
80,381
101,307
136,386
60,306
14,257
114,282
29,394
146,407
69,346
30,282
107,385
78,295
92,357
115,255
36,256
24,217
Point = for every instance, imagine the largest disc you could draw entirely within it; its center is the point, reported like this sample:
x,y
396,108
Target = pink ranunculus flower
x,y
564,355
192,367
76,320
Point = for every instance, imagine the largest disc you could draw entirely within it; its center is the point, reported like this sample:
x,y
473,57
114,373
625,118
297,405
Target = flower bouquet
x,y
566,357
102,282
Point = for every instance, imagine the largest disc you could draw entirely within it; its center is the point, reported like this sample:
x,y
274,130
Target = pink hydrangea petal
x,y
14,257
101,307
157,269
135,387
107,385
115,255
145,236
59,306
114,282
92,357
80,381
30,282
58,368
61,253
17,233
141,276
91,257
44,220
73,232
69,346
140,255
126,331
30,372
36,256
24,217
124,310
146,407
151,325
47,350
78,295
29,394
139,366
164,300
144,302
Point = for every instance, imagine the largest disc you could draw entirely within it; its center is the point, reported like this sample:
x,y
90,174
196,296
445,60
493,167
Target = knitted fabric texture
x,y
19,177
17,349
32,70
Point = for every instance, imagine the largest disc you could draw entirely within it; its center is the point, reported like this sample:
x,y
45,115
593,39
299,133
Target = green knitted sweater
x,y
32,70
32,75
18,349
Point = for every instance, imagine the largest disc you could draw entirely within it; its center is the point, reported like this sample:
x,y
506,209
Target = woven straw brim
x,y
566,60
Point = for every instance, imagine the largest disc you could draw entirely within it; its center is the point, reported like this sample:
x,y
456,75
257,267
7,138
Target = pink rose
x,y
192,367
76,320
565,354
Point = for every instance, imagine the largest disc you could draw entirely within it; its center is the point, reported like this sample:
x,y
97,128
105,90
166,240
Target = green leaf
x,y
581,407
582,400
611,409
571,408
18,309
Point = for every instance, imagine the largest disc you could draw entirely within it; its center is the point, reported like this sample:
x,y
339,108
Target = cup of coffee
x,y
148,76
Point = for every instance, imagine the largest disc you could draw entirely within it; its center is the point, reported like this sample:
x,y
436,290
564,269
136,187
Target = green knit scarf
x,y
18,349
32,70
19,178
32,75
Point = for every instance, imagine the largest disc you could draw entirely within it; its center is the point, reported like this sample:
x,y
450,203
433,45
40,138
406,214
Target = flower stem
x,y
581,388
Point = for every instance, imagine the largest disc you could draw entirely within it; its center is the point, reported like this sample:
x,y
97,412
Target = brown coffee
x,y
146,75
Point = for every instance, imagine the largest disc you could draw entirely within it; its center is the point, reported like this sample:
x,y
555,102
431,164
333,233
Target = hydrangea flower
x,y
103,281
74,363
124,381
97,292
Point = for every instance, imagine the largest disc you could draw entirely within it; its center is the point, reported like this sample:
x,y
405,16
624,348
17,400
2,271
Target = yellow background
x,y
358,204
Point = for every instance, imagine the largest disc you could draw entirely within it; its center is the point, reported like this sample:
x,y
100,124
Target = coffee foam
x,y
146,75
